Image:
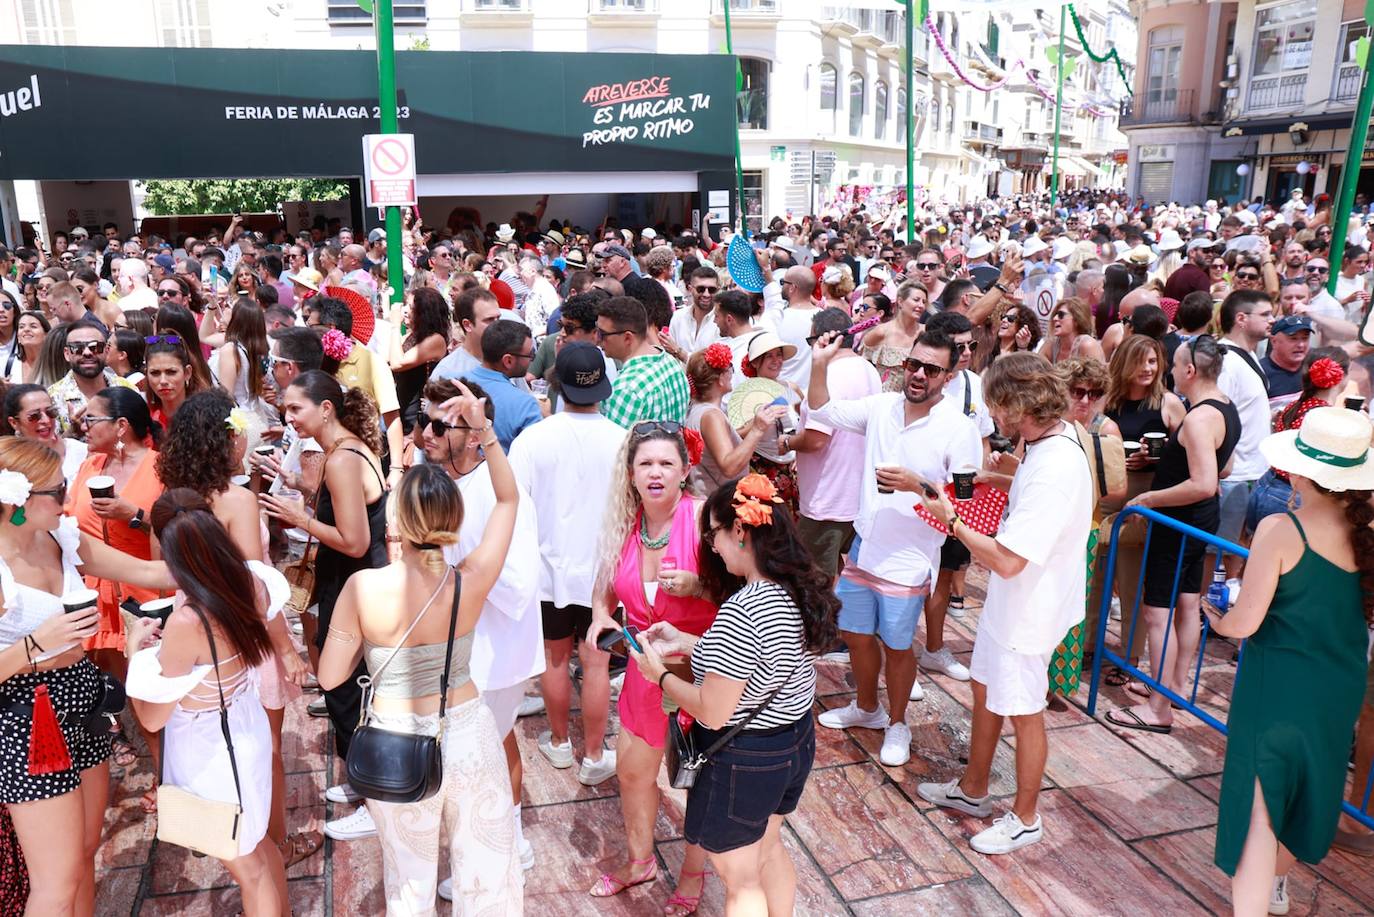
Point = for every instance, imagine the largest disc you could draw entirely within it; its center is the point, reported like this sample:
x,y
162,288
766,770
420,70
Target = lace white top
x,y
26,607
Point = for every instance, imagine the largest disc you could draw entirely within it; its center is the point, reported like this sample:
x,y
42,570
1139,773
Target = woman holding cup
x,y
56,788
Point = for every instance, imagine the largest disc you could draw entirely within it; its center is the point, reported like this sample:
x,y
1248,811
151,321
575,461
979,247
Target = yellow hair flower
x,y
237,421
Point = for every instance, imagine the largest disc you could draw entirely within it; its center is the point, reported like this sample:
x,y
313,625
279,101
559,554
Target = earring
x,y
741,542
119,447
17,517
681,485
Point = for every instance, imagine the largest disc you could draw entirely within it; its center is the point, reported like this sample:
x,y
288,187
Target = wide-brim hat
x,y
1331,449
1033,246
1170,241
764,341
575,258
1141,255
1062,248
978,247
308,278
555,237
504,232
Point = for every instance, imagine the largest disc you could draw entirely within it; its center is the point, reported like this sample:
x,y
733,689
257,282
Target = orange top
x,y
142,491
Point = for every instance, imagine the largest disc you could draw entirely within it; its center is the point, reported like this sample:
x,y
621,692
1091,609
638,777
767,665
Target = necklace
x,y
653,544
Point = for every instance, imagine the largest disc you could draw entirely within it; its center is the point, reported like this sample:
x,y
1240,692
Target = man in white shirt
x,y
1352,288
6,265
566,463
792,323
890,567
1035,595
1246,317
694,328
543,299
734,318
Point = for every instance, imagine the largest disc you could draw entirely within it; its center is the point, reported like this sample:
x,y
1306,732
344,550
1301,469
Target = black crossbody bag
x,y
398,766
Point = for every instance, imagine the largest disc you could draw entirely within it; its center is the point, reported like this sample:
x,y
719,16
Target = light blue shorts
x,y
864,611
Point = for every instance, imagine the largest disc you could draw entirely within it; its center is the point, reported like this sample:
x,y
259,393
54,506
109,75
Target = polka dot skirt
x,y
74,690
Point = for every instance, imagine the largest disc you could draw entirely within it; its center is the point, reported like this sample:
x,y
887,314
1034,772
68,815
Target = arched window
x,y
753,96
901,112
830,96
880,110
856,104
949,117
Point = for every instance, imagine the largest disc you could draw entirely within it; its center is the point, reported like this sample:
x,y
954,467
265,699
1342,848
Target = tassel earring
x,y
17,517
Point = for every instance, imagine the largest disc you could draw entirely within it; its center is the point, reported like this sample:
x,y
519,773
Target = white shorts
x,y
1017,683
504,704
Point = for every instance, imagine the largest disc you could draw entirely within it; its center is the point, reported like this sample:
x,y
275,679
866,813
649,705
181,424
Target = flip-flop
x,y
1140,689
1117,677
1135,722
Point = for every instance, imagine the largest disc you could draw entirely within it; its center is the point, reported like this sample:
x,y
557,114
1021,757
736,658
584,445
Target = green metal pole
x,y
1058,110
739,87
1350,174
910,128
386,97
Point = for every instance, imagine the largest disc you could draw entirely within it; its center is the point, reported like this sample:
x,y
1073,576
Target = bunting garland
x,y
1111,54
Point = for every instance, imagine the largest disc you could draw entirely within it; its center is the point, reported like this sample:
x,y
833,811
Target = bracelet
x,y
998,285
954,520
342,636
665,674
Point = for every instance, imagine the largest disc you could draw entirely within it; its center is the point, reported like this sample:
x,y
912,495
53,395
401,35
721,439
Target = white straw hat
x,y
1331,449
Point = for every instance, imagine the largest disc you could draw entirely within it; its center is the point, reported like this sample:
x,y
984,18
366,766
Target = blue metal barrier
x,y
1102,654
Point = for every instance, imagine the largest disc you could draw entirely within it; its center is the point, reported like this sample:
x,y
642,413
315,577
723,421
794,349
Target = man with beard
x,y
1195,275
85,353
886,575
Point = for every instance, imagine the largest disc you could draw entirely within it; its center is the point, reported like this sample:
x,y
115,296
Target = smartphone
x,y
614,641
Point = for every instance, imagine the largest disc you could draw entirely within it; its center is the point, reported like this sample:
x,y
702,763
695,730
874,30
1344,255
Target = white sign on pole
x,y
389,170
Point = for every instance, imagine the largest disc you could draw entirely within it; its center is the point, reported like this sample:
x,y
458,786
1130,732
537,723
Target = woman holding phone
x,y
649,564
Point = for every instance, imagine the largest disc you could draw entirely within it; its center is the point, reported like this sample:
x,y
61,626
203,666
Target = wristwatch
x,y
136,523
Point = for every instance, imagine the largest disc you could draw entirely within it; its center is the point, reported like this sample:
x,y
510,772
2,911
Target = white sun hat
x,y
1331,449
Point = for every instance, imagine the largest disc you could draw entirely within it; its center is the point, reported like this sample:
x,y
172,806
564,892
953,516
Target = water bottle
x,y
1217,593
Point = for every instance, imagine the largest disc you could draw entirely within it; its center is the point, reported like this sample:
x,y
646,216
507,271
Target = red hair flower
x,y
719,356
746,367
336,344
1326,373
753,494
695,445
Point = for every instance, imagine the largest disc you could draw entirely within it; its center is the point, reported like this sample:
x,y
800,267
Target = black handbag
x,y
109,703
681,756
398,766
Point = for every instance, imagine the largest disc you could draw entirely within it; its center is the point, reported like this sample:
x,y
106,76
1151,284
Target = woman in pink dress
x,y
649,546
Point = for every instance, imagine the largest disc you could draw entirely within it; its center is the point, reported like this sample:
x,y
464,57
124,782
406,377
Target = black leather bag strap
x,y
720,743
448,653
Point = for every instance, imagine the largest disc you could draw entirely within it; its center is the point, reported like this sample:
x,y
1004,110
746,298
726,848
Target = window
x,y
184,23
47,22
901,112
1347,85
1165,56
949,118
856,104
405,12
1283,37
880,110
830,97
753,96
753,199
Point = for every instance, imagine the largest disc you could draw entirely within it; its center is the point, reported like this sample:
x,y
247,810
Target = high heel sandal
x,y
684,905
608,885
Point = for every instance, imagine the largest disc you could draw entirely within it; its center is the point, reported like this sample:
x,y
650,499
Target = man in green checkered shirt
x,y
651,384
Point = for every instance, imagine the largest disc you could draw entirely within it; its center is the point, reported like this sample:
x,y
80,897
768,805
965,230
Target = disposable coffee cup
x,y
264,450
157,608
1154,444
1131,447
885,466
81,602
242,480
1355,403
101,485
963,482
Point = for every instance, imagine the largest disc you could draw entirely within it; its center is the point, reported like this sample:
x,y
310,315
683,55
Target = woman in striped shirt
x,y
751,678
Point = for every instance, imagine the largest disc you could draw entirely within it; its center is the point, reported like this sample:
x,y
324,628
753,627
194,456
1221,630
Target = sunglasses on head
x,y
77,348
1079,393
162,339
645,427
930,369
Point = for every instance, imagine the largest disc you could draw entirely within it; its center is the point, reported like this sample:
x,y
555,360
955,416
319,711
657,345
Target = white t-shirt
x,y
954,396
897,545
685,333
828,479
793,325
566,463
508,642
1049,514
1244,386
1354,310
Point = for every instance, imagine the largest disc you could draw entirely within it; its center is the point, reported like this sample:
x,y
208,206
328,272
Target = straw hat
x,y
1331,449
308,278
764,341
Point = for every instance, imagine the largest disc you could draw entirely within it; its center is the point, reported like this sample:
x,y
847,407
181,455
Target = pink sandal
x,y
685,906
609,885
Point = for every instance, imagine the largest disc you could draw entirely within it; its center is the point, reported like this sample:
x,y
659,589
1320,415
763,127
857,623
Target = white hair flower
x,y
237,421
14,488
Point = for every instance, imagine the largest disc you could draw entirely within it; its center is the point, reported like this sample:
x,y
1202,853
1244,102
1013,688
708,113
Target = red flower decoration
x,y
695,446
336,344
1326,373
747,367
719,356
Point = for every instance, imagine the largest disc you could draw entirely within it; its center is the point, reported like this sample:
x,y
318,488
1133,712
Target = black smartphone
x,y
613,641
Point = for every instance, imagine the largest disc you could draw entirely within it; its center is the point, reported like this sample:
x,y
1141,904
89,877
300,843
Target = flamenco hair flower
x,y
1326,373
14,488
336,344
237,421
719,356
753,495
695,445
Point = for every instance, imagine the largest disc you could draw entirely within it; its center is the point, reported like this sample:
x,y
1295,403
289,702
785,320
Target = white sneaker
x,y
942,660
917,692
949,796
526,851
351,827
560,756
1278,898
532,705
847,717
896,749
594,772
317,708
1007,834
956,611
446,889
342,794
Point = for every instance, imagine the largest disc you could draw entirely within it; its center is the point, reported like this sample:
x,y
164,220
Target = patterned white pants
x,y
473,803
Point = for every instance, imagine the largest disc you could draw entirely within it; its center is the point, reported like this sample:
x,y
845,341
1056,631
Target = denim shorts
x,y
1234,498
760,773
1269,498
867,611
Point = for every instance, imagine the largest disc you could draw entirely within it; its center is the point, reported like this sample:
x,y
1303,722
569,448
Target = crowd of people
x,y
675,474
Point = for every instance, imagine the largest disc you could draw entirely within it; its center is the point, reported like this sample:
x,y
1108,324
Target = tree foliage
x,y
168,197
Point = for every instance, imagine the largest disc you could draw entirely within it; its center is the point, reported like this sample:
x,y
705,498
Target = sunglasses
x,y
44,287
645,427
968,346
1219,266
1247,275
439,428
162,339
602,333
168,294
570,327
1317,269
928,266
1079,393
707,288
77,348
35,416
58,493
914,365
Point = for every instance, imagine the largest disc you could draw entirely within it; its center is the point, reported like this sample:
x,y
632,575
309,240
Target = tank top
x,y
689,615
1134,420
1173,461
332,567
706,476
417,670
410,386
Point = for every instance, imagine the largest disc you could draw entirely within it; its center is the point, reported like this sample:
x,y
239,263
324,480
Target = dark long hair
x,y
211,571
355,408
248,329
1116,283
131,344
781,557
429,315
174,320
183,355
1359,513
195,453
129,404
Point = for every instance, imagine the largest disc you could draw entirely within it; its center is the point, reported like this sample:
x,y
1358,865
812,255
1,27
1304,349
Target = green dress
x,y
1293,711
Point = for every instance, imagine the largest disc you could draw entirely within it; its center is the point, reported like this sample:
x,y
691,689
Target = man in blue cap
x,y
1290,338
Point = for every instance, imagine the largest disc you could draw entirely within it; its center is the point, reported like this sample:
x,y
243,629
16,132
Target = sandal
x,y
956,601
1135,722
1117,677
682,905
123,751
609,885
148,801
300,845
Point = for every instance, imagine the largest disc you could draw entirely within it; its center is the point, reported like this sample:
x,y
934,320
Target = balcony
x,y
1181,109
622,12
1347,84
976,133
870,28
1275,92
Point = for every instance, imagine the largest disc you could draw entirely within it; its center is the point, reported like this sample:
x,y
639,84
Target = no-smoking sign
x,y
389,170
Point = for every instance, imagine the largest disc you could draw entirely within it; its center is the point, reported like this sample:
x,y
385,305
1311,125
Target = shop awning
x,y
1089,169
477,184
1068,166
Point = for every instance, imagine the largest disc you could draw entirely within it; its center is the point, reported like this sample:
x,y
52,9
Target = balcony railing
x,y
746,6
982,133
882,24
1277,92
1181,109
496,6
1347,85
